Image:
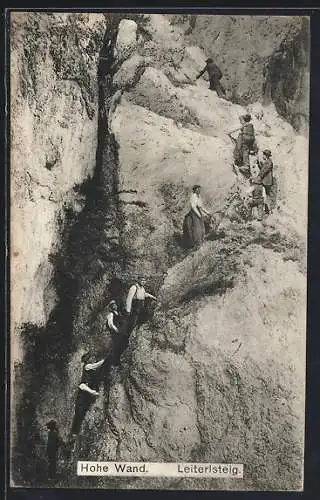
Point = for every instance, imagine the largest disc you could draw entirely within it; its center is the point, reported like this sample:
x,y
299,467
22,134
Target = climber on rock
x,y
257,197
215,75
88,391
245,144
135,303
266,176
112,314
119,340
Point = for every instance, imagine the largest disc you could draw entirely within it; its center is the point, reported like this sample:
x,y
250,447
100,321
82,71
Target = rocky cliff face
x,y
218,372
54,131
54,110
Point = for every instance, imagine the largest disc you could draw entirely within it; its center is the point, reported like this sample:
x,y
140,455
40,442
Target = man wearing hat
x,y
266,170
135,303
112,313
54,443
246,142
215,75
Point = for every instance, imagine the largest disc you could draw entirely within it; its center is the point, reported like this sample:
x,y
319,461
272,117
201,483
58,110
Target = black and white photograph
x,y
158,253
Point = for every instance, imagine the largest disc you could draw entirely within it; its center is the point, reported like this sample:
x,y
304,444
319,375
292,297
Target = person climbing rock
x,y
246,142
118,338
112,314
257,197
135,303
88,391
54,444
266,177
215,75
193,224
266,170
237,153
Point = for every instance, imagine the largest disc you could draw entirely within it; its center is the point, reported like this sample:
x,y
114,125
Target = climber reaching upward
x,y
135,303
215,75
246,142
88,390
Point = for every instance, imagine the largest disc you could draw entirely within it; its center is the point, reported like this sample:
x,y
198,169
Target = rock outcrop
x,y
217,375
54,110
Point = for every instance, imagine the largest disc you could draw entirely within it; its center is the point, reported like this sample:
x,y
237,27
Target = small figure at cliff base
x,y
54,444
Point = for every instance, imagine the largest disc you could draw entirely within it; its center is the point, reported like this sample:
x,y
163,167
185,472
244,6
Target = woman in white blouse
x,y
193,225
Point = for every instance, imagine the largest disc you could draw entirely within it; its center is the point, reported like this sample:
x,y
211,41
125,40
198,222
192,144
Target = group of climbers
x,y
94,370
260,194
88,390
96,367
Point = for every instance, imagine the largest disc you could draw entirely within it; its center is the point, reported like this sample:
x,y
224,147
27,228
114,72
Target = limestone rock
x,y
54,137
126,42
129,72
194,61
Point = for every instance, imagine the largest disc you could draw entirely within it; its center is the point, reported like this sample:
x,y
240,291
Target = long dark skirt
x,y
193,230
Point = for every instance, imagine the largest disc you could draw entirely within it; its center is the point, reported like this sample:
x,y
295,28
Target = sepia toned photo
x,y
158,253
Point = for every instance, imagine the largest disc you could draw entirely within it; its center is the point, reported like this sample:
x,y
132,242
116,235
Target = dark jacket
x,y
247,131
266,172
92,378
213,71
